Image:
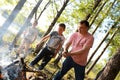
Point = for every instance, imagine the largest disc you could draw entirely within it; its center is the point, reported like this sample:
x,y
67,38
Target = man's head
x,y
61,28
35,23
83,26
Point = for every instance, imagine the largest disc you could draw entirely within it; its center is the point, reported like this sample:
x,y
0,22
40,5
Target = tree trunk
x,y
91,67
10,19
116,22
104,16
98,13
56,18
52,24
106,35
112,68
95,6
25,25
44,9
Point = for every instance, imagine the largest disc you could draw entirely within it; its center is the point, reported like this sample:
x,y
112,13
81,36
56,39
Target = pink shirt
x,y
78,41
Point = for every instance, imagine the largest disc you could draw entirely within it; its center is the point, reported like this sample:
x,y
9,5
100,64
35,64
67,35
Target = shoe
x,y
16,56
22,56
30,65
40,67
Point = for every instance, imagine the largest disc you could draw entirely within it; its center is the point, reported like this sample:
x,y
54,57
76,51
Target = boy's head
x,y
62,25
35,23
61,28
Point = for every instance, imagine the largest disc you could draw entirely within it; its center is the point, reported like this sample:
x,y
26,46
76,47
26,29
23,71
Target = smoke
x,y
10,67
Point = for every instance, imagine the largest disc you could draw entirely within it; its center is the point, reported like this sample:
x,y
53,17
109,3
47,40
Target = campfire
x,y
18,70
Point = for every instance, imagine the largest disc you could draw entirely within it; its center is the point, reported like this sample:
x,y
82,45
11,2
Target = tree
x,y
116,41
104,16
106,12
97,2
112,68
27,21
11,18
113,35
98,11
56,18
101,42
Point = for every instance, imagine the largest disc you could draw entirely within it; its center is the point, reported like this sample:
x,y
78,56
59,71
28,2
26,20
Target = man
x,y
29,37
55,42
81,42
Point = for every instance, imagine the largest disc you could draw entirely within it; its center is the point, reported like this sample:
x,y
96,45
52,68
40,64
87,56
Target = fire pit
x,y
18,70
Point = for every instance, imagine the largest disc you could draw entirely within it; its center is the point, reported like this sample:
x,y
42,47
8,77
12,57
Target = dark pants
x,y
67,65
45,54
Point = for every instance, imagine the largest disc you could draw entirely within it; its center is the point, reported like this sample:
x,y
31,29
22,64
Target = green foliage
x,y
118,77
114,15
82,9
115,44
8,37
20,19
95,70
91,74
73,13
103,13
10,5
115,11
8,2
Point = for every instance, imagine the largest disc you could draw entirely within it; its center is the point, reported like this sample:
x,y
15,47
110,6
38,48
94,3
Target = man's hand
x,y
38,44
66,54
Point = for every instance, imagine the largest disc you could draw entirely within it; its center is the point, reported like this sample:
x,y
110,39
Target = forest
x,y
16,16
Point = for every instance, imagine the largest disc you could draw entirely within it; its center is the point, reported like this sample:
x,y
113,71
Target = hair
x,y
85,22
35,21
62,25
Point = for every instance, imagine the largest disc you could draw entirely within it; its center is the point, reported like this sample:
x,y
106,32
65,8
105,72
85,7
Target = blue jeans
x,y
67,65
45,54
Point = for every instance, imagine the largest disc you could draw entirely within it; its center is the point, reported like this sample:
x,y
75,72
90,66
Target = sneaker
x,y
31,65
16,56
22,55
40,67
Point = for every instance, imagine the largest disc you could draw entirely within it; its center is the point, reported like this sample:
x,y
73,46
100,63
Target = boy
x,y
55,42
29,37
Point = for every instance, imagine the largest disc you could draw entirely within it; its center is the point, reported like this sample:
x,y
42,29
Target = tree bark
x,y
112,68
10,19
52,24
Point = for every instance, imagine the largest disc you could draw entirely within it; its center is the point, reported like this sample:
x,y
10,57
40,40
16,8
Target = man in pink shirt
x,y
81,42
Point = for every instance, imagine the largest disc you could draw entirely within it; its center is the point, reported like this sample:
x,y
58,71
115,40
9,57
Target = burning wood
x,y
12,64
18,70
